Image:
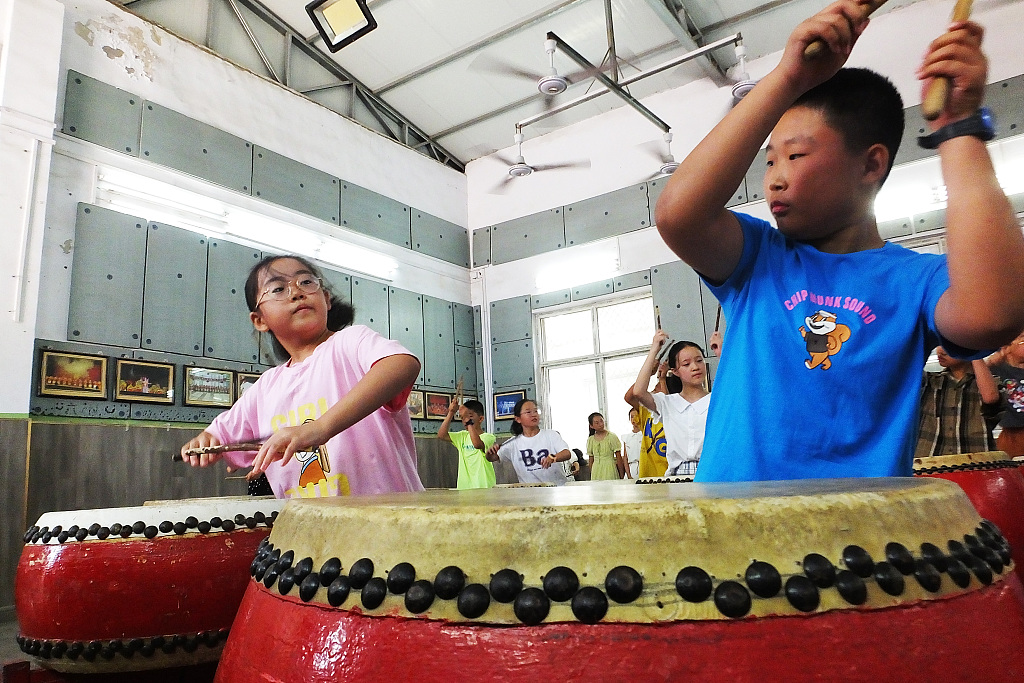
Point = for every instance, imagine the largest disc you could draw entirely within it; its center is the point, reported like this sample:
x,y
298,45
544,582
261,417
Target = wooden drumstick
x,y
458,390
938,90
657,317
225,448
818,46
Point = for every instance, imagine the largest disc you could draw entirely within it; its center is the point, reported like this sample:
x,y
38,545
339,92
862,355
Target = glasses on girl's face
x,y
530,412
282,291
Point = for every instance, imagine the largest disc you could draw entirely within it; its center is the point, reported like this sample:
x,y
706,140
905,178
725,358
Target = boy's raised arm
x,y
984,305
691,214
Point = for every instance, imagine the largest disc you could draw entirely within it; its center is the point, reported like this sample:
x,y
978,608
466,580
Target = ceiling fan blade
x,y
502,187
582,163
656,149
508,161
489,64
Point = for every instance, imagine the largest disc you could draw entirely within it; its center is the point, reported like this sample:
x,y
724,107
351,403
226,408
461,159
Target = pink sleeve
x,y
237,425
368,347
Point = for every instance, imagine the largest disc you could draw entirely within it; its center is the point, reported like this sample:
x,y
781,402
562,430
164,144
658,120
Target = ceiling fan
x,y
661,150
549,84
518,168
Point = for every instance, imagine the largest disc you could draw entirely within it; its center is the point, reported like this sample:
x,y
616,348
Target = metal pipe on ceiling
x,y
722,42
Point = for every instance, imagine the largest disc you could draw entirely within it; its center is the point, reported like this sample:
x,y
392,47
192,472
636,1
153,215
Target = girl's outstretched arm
x,y
386,379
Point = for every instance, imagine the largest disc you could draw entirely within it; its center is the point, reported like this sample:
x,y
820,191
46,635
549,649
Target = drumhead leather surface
x,y
635,554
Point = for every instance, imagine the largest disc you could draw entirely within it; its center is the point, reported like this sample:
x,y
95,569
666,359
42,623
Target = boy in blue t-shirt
x,y
829,325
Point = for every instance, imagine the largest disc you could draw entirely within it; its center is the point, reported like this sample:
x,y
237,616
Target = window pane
x,y
626,325
619,375
569,336
572,395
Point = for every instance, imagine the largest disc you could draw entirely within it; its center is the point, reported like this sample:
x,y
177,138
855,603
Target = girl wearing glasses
x,y
332,416
532,450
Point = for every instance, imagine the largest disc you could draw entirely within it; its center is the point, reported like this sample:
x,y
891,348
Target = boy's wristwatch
x,y
981,125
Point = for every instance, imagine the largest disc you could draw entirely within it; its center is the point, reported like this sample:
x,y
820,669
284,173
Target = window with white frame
x,y
590,353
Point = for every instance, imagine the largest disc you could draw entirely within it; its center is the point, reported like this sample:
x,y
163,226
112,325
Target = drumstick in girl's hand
x,y
225,448
657,317
816,47
938,90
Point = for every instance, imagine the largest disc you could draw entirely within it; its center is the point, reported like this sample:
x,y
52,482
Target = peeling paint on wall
x,y
124,44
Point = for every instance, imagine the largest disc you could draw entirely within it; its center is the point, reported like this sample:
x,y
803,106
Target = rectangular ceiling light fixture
x,y
341,21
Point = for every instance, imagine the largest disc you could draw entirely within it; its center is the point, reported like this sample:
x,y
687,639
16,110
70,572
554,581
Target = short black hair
x,y
863,106
475,405
339,316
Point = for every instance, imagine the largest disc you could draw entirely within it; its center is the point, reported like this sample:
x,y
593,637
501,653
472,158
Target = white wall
x,y
893,45
28,88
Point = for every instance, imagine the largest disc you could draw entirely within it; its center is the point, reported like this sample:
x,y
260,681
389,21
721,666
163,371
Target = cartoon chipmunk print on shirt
x,y
824,337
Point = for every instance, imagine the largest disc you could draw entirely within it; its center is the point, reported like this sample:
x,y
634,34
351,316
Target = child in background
x,y
632,444
829,324
335,411
475,470
532,450
604,451
1007,364
684,407
653,446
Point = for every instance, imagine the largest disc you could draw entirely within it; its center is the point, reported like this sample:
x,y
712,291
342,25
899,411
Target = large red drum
x,y
846,580
136,588
994,484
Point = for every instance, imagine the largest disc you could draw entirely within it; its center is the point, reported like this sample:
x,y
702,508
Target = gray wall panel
x,y
102,114
440,239
190,146
370,299
229,332
97,278
591,290
438,343
527,236
339,283
174,304
900,227
562,296
465,367
299,187
1006,100
930,220
463,320
607,215
478,330
676,290
512,364
481,247
913,126
641,278
375,215
511,319
754,179
405,313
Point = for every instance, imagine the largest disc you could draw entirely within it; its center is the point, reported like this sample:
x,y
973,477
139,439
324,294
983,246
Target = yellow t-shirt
x,y
653,462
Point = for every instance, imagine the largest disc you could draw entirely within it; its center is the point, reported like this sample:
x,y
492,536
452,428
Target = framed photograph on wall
x,y
416,405
436,404
244,380
76,375
209,387
505,402
144,381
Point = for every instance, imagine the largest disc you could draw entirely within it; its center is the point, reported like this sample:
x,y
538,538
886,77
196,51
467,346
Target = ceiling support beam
x,y
478,45
689,41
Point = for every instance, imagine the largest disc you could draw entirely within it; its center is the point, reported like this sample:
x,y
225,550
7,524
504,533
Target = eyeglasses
x,y
282,291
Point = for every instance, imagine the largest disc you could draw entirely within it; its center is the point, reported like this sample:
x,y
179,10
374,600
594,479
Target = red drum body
x,y
130,589
851,580
994,484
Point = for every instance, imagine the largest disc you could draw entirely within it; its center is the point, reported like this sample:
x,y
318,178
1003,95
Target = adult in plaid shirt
x,y
959,408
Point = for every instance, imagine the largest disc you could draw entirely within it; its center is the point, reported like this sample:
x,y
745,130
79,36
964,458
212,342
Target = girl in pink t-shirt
x,y
332,418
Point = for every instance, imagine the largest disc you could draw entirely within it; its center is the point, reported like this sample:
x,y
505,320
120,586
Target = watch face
x,y
986,118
